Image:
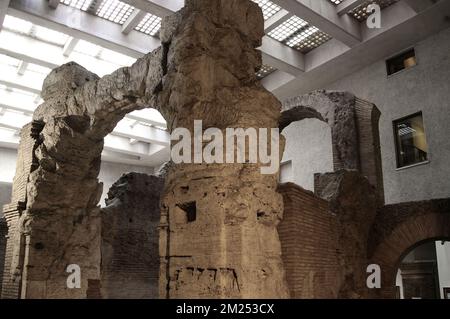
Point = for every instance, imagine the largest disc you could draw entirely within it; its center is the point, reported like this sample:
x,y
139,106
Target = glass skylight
x,y
265,71
115,11
149,25
287,28
298,34
79,4
336,2
360,12
268,8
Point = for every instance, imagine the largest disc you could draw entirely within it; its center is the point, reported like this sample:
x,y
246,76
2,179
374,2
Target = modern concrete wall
x,y
109,173
308,147
426,88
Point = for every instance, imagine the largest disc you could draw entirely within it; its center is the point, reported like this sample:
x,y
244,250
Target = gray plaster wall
x,y
309,148
426,88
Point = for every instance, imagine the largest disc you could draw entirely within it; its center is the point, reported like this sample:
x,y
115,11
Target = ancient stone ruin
x,y
203,230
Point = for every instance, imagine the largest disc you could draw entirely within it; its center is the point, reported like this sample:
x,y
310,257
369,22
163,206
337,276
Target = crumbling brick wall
x,y
130,238
3,233
309,242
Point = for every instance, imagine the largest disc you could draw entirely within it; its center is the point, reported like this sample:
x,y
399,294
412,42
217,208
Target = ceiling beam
x,y
323,15
276,20
274,53
70,46
85,26
133,21
4,4
348,5
282,57
17,108
160,8
22,67
333,60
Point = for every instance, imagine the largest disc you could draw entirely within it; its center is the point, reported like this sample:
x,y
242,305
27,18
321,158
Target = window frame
x,y
396,141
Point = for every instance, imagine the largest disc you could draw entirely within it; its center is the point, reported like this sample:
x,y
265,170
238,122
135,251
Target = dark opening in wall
x,y
190,209
410,140
402,61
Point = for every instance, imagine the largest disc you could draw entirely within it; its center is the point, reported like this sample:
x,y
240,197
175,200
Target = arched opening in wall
x,y
131,159
308,151
139,143
423,271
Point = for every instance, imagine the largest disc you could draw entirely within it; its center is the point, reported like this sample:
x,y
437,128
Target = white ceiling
x,y
308,44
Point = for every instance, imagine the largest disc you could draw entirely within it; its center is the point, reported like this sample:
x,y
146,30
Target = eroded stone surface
x,y
219,237
130,238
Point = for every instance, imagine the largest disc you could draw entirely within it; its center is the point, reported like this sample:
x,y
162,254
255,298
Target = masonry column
x,y
218,224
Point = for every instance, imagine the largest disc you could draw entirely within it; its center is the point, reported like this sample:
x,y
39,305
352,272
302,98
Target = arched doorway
x,y
423,272
398,230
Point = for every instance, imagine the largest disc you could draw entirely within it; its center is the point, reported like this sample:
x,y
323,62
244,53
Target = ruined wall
x,y
15,243
130,238
219,236
309,241
354,129
3,233
60,223
324,236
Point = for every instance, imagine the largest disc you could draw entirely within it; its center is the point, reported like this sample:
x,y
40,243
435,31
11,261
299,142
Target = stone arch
x,y
399,228
354,129
54,218
208,60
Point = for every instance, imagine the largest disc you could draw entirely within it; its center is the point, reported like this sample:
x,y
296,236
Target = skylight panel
x,y
308,39
149,25
298,34
265,71
360,12
287,28
79,4
268,8
336,2
115,11
17,25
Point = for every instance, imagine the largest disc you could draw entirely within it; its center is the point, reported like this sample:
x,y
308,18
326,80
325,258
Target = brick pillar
x,y
11,281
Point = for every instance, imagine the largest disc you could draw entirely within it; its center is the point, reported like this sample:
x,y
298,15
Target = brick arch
x,y
402,227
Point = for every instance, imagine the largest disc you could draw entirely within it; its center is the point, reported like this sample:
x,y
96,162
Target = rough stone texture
x,y
204,70
130,238
15,241
218,223
354,128
61,223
